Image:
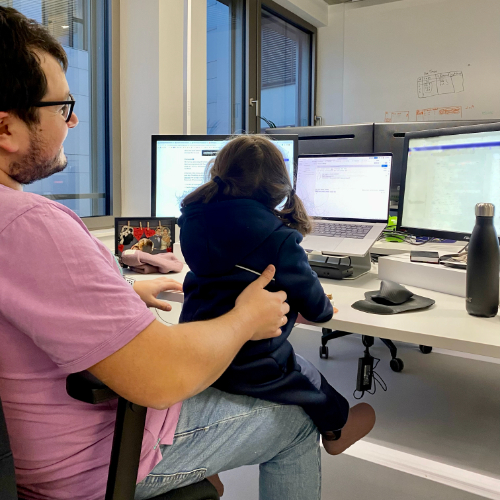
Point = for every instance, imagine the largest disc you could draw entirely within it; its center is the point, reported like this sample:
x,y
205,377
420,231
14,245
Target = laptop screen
x,y
345,186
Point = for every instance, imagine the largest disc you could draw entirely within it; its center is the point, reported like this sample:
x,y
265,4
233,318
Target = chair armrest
x,y
83,386
203,490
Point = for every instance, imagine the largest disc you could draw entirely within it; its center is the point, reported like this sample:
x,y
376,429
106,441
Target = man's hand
x,y
148,290
266,310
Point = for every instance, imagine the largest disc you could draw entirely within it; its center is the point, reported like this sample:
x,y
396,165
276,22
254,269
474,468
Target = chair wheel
x,y
323,351
397,365
426,349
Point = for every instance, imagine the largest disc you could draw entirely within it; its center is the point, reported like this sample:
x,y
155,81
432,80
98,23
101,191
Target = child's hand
x,y
329,296
148,290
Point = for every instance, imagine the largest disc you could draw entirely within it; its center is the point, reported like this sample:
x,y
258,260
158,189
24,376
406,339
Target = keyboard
x,y
357,232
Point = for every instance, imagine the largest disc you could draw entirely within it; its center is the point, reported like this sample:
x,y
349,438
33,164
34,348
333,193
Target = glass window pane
x,y
84,185
224,66
285,73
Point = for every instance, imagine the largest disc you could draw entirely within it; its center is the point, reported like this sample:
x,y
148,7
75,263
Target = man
x,y
64,308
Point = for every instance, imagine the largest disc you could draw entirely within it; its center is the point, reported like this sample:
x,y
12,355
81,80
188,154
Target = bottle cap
x,y
485,210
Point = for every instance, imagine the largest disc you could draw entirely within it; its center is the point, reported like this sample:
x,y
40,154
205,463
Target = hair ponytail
x,y
252,167
203,194
294,214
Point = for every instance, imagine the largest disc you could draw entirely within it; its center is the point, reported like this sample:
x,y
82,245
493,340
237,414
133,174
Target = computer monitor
x,y
445,173
179,166
345,187
390,138
330,139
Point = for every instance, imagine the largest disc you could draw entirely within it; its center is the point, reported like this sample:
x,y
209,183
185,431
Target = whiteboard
x,y
421,60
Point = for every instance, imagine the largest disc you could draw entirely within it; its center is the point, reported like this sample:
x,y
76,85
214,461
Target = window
x,y
259,67
286,67
225,42
81,27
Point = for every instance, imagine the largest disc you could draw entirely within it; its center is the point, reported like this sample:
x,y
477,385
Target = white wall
x,y
312,11
163,85
372,52
330,67
139,80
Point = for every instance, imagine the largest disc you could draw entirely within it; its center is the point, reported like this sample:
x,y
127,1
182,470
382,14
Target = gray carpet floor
x,y
441,407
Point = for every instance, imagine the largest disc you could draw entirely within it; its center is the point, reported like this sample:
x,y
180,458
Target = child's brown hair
x,y
251,166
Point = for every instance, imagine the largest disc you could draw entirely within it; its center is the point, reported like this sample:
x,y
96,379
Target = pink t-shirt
x,y
63,308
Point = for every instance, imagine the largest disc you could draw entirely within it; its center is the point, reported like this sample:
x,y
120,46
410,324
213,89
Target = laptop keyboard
x,y
357,232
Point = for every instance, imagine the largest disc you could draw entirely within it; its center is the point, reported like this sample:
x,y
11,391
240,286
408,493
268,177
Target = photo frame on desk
x,y
148,234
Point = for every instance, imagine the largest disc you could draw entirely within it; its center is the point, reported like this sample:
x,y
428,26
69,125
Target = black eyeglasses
x,y
66,110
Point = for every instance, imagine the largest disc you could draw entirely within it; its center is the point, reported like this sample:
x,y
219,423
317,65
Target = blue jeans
x,y
219,431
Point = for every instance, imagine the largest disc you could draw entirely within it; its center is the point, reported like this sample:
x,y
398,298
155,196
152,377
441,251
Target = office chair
x,y
396,363
125,453
8,489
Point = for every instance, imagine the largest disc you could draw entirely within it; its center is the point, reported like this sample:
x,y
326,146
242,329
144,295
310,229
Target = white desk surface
x,y
446,324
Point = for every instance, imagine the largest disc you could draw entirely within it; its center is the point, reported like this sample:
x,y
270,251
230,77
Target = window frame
x,y
112,124
238,13
254,10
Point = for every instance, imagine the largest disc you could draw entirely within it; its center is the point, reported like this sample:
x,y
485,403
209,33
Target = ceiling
x,y
335,2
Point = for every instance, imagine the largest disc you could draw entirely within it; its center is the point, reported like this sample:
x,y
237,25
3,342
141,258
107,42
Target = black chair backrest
x,y
8,489
127,442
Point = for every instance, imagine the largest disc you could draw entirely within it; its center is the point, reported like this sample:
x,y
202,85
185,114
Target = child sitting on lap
x,y
231,229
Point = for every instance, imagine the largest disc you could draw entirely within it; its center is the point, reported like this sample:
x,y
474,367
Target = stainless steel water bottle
x,y
483,264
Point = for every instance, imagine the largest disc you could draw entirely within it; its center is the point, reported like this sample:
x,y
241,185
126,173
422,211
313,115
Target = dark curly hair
x,y
251,166
22,80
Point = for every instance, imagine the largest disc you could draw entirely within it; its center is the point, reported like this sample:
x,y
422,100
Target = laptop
x,y
348,196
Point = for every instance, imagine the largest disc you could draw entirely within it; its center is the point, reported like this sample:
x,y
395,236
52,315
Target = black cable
x,y
354,394
378,379
405,237
418,243
159,316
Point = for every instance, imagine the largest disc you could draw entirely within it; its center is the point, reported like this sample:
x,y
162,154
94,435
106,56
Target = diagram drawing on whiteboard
x,y
436,114
397,116
434,83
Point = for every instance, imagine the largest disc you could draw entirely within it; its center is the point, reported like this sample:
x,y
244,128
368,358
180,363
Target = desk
x,y
446,324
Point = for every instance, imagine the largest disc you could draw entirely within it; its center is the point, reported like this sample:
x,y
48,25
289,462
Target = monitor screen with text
x,y
181,167
345,187
446,176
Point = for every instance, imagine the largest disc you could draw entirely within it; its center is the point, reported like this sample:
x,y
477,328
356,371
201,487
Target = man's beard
x,y
33,167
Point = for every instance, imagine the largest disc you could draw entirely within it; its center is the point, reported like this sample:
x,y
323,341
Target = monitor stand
x,y
340,266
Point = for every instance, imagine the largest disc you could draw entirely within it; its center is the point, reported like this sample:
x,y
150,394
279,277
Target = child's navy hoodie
x,y
225,243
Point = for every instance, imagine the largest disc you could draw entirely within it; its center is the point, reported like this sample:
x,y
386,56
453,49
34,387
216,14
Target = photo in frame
x,y
152,235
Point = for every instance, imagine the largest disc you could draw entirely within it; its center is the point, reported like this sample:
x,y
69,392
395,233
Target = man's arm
x,y
164,365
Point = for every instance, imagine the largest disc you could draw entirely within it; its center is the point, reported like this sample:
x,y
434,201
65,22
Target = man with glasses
x,y
65,108
64,308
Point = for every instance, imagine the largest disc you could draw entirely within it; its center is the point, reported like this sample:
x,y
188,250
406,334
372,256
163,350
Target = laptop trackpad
x,y
322,243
